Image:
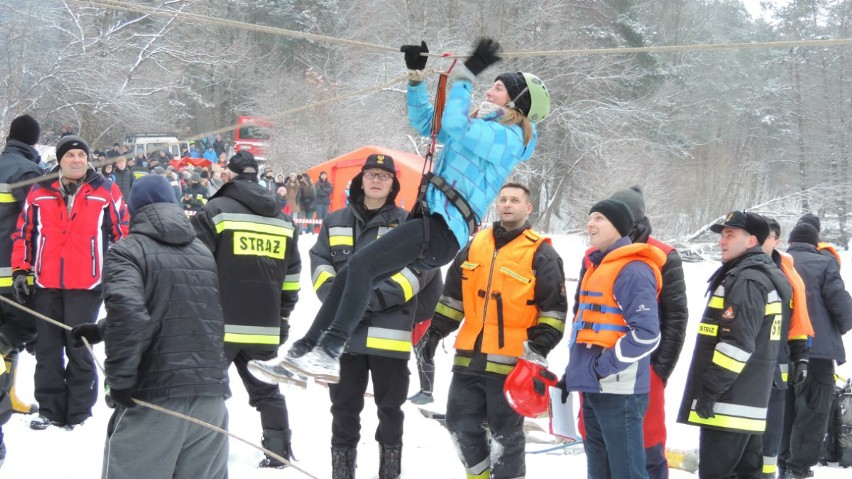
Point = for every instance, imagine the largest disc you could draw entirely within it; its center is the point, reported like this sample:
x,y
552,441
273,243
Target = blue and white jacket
x,y
478,154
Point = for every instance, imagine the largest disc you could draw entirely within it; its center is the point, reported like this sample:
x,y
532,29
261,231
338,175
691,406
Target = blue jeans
x,y
322,211
614,444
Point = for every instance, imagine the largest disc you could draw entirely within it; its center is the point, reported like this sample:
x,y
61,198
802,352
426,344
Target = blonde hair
x,y
514,116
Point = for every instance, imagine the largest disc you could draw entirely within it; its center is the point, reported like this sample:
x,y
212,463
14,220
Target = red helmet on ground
x,y
527,388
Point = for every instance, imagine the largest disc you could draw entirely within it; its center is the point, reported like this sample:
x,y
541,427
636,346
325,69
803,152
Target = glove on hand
x,y
413,58
483,56
122,397
284,333
428,345
800,372
19,284
88,331
565,394
704,408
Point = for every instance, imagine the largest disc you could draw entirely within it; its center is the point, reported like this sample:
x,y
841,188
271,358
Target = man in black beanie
x,y
821,246
18,162
257,256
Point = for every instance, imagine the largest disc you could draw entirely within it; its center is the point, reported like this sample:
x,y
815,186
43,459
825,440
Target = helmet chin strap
x,y
511,104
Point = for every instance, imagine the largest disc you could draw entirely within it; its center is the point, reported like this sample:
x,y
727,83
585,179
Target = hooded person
x,y
162,346
257,256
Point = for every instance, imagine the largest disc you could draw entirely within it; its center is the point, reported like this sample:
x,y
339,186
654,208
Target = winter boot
x,y
18,406
279,443
301,347
321,364
271,372
343,462
422,397
389,461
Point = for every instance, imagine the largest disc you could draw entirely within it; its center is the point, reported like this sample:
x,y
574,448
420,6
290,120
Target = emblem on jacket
x,y
728,314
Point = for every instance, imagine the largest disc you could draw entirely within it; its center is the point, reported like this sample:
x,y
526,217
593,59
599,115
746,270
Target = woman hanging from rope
x,y
480,150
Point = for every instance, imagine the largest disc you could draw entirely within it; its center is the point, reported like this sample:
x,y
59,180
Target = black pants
x,y
472,400
774,430
728,455
347,301
266,398
390,387
65,393
806,415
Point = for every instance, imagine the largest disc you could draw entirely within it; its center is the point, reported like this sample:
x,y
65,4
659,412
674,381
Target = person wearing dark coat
x,y
323,189
307,197
162,346
123,177
808,404
195,194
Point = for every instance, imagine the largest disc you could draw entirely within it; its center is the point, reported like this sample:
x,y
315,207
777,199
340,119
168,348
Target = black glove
x,y
122,397
413,58
561,385
483,56
19,284
284,332
704,408
89,331
428,345
800,373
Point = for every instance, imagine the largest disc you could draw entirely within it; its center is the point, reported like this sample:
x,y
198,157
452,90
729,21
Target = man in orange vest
x,y
506,293
612,340
796,325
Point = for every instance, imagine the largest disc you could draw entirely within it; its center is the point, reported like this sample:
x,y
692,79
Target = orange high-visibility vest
x,y
827,247
800,321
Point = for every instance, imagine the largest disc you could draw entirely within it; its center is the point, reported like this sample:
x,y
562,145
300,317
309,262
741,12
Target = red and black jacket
x,y
65,249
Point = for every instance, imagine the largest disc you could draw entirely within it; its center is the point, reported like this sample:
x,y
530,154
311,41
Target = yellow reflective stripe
x,y
468,265
461,361
486,474
727,362
555,323
770,468
291,286
773,308
515,275
7,198
405,284
254,227
322,278
251,338
389,344
785,376
708,329
449,312
716,302
803,337
6,282
729,422
498,368
341,241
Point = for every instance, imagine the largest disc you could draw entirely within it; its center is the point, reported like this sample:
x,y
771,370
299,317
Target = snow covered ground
x,y
427,451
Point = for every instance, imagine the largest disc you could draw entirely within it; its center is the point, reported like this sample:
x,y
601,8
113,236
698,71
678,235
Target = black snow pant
x,y
728,455
472,400
266,398
65,393
774,431
390,387
806,415
402,246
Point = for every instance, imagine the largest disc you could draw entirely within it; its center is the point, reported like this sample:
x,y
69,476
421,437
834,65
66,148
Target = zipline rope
x,y
154,406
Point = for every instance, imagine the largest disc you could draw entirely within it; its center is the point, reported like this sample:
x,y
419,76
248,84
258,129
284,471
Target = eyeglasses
x,y
381,176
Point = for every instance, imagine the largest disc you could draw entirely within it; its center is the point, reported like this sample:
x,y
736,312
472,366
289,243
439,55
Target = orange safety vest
x,y
800,321
827,247
498,291
599,319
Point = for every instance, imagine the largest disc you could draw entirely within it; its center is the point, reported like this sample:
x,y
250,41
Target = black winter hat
x,y
24,129
812,220
150,189
70,142
633,198
243,163
804,233
384,162
515,84
617,213
752,223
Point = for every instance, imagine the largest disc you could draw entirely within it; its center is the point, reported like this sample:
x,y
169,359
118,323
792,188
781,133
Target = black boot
x,y
389,463
343,462
279,443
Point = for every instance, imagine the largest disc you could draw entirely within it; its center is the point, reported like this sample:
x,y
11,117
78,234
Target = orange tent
x,y
341,170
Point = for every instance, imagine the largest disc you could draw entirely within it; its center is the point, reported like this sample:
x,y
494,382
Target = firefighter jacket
x,y
612,339
62,244
163,330
796,326
829,304
504,288
672,306
256,251
737,345
386,327
18,162
194,197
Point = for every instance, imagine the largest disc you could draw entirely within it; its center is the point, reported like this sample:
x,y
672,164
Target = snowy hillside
x,y
427,452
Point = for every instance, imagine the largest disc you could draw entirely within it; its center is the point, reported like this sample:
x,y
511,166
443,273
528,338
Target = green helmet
x,y
539,96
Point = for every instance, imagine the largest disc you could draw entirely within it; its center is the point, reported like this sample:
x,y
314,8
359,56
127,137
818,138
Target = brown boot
x,y
18,406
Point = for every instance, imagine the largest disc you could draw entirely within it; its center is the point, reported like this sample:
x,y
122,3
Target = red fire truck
x,y
253,135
